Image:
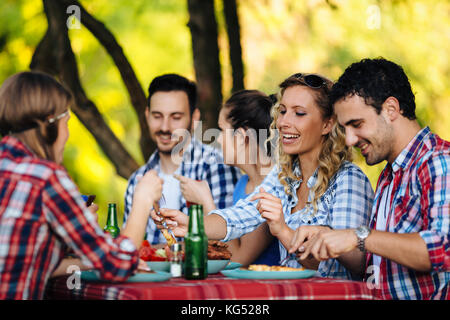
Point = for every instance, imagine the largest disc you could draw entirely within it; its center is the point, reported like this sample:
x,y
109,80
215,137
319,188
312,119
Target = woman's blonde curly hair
x,y
334,150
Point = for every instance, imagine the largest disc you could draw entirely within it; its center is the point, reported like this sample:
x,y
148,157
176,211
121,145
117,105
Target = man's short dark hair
x,y
174,82
375,80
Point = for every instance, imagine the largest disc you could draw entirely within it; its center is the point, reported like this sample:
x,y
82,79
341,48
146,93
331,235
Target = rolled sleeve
x,y
438,249
435,203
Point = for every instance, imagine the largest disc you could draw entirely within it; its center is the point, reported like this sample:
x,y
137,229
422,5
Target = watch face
x,y
362,232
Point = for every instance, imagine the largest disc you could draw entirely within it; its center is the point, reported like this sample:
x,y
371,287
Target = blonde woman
x,y
313,184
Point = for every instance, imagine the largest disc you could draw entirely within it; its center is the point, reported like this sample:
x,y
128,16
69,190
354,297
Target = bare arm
x,y
215,227
246,249
407,249
147,191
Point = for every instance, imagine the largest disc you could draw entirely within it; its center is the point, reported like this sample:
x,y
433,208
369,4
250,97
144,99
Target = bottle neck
x,y
196,219
112,215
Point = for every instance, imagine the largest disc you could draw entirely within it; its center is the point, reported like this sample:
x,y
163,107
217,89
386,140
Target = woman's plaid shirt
x,y
346,204
42,214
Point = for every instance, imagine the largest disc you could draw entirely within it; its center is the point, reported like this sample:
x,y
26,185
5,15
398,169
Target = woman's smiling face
x,y
300,122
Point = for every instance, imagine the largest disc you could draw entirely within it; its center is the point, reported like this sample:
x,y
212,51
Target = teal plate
x,y
249,274
214,266
159,265
138,277
233,265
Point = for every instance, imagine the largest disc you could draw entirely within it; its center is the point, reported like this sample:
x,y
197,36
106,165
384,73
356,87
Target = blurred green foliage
x,y
279,37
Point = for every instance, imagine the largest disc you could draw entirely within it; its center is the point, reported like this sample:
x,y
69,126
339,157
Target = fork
x,y
289,257
170,234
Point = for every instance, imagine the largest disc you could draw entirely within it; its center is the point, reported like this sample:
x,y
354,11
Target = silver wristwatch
x,y
362,233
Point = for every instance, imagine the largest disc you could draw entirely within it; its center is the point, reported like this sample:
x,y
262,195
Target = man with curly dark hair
x,y
407,242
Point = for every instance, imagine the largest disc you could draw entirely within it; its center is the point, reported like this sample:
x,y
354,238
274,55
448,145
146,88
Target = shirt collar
x,y
17,146
405,158
298,173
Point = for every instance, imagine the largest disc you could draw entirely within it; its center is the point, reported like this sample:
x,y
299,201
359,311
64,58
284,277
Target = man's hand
x,y
196,191
303,234
330,244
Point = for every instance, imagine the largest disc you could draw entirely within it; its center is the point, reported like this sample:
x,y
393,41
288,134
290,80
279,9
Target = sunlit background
x,y
279,37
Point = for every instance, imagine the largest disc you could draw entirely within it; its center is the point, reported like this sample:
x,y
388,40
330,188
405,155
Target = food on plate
x,y
264,267
147,253
218,250
169,238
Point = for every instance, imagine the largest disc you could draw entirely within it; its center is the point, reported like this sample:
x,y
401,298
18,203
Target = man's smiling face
x,y
169,111
365,129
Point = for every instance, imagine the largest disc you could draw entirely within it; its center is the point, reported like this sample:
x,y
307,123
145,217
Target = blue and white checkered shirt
x,y
199,162
347,203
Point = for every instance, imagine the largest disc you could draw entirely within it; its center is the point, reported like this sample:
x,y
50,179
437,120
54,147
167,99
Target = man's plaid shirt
x,y
199,162
420,203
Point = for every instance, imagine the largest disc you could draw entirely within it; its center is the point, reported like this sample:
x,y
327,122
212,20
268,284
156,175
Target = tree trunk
x,y
205,48
129,78
234,39
54,55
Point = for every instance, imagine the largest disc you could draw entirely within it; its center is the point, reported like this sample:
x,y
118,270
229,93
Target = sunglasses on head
x,y
311,80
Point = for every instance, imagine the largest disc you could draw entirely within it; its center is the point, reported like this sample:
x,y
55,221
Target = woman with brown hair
x,y
42,213
313,184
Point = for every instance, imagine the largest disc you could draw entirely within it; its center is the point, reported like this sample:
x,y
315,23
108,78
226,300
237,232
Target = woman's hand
x,y
148,190
196,191
176,221
143,266
271,209
94,208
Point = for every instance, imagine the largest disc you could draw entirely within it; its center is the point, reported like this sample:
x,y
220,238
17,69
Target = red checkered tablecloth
x,y
214,287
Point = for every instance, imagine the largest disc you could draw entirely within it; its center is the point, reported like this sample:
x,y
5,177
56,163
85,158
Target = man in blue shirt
x,y
170,115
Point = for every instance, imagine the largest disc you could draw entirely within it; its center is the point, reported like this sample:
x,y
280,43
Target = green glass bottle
x,y
111,222
196,246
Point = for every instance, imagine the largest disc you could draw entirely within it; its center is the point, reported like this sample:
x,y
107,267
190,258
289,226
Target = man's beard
x,y
173,137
